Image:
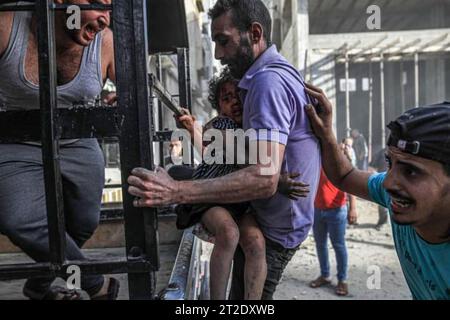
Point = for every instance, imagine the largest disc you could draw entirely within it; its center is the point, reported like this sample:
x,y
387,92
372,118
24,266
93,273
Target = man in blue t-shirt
x,y
415,189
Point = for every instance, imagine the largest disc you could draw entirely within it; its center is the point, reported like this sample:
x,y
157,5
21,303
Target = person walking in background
x,y
347,146
361,150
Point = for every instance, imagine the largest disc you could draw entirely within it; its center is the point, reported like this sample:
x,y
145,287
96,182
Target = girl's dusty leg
x,y
254,246
219,222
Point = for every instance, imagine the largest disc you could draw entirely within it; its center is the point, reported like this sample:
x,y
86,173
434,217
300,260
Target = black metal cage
x,y
131,121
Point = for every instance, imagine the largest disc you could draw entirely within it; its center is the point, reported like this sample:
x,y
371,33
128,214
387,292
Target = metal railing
x,y
131,121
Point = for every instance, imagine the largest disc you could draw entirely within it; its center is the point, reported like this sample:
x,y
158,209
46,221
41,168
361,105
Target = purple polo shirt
x,y
273,95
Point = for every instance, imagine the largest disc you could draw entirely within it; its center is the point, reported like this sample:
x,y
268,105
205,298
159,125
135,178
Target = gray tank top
x,y
17,93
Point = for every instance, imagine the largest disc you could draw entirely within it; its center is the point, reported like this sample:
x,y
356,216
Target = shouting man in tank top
x,y
84,59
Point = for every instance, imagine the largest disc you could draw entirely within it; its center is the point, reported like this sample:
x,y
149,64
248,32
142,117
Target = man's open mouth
x,y
92,31
400,203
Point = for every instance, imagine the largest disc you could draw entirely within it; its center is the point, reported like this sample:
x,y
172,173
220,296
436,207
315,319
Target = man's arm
x,y
254,182
6,19
336,166
269,111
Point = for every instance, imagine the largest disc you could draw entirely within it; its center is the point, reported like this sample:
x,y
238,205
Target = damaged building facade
x,y
370,74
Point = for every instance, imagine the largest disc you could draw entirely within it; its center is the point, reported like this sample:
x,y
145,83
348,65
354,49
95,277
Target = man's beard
x,y
243,59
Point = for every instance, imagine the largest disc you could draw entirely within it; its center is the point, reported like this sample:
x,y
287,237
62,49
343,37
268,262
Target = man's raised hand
x,y
320,115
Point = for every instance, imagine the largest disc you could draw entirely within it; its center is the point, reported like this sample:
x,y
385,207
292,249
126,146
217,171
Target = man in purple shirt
x,y
273,96
273,99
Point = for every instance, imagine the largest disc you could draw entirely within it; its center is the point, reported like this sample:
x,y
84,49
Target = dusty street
x,y
367,250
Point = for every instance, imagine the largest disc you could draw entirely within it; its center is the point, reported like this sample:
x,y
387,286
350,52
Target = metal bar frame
x,y
382,102
57,7
402,85
111,266
134,112
370,109
68,124
184,78
347,98
141,226
183,282
50,144
184,84
160,111
416,79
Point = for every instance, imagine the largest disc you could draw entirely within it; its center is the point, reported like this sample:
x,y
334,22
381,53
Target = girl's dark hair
x,y
216,84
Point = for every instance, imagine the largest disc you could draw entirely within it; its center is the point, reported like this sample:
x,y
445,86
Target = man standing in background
x,y
361,150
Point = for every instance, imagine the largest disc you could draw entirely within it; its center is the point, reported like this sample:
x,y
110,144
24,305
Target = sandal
x,y
320,281
53,293
342,289
113,290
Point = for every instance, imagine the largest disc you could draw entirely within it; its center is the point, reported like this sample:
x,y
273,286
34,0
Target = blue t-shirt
x,y
426,266
274,101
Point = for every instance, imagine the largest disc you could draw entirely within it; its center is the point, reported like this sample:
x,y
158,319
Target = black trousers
x,y
277,259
